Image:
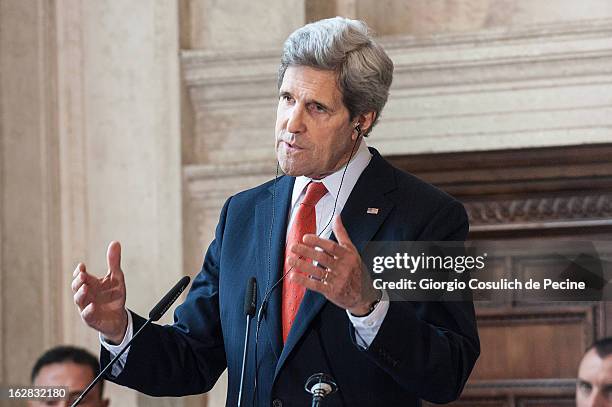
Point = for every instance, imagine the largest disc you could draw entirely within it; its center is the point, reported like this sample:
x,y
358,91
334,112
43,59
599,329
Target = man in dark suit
x,y
322,313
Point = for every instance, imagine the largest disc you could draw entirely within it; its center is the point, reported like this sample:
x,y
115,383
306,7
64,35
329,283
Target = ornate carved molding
x,y
574,210
541,188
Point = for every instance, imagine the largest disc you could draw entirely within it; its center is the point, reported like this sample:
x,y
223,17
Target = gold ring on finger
x,y
324,280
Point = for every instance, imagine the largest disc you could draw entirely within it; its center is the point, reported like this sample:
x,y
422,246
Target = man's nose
x,y
295,124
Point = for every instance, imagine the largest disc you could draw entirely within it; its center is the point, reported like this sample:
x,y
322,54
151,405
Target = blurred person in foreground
x,y
594,384
70,367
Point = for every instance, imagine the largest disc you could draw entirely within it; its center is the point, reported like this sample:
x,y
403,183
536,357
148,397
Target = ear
x,y
364,122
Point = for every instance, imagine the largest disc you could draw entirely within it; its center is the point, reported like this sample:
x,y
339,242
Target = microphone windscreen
x,y
162,306
250,297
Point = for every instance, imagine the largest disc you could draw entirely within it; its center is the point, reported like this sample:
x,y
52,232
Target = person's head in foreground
x,y
594,384
333,82
70,367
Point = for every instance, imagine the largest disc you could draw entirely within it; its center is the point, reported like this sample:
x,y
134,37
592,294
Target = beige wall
x,y
136,120
90,153
423,18
29,308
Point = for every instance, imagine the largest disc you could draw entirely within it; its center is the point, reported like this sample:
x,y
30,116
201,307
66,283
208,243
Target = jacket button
x,y
277,403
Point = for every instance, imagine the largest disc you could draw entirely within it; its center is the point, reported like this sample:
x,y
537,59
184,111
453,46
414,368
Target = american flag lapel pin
x,y
372,211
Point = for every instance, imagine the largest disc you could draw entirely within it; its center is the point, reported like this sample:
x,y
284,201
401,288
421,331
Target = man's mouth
x,y
291,146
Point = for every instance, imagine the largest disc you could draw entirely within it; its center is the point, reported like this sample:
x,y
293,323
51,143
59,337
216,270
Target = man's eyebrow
x,y
324,105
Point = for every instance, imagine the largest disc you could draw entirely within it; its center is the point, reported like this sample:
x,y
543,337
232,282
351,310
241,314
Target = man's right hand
x,y
101,301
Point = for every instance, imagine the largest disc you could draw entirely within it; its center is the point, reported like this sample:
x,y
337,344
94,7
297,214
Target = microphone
x,y
320,386
250,297
162,306
250,303
156,313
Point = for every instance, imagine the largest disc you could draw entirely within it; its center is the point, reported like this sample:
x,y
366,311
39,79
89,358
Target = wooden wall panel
x,y
523,202
514,344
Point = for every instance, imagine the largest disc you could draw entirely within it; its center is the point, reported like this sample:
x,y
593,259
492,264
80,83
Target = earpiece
x,y
358,129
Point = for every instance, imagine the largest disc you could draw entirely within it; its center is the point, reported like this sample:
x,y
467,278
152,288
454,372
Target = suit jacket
x,y
422,350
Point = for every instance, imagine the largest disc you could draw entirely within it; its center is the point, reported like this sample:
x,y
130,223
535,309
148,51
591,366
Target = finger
x,y
82,297
329,246
80,267
341,233
309,283
89,313
83,278
306,267
77,282
308,252
113,258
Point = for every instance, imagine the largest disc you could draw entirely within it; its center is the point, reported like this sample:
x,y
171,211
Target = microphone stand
x,y
112,362
320,386
250,303
155,314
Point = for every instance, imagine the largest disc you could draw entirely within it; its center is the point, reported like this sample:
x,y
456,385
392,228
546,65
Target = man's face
x,y
594,385
73,376
314,136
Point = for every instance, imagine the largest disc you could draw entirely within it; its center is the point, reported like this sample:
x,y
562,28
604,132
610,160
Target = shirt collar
x,y
333,181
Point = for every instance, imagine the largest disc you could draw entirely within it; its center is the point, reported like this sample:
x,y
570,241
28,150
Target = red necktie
x,y
305,222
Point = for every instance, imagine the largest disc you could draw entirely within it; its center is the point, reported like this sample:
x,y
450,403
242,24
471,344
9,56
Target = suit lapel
x,y
369,192
272,254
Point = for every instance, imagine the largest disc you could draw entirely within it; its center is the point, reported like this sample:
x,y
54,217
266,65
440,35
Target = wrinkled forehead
x,y
312,81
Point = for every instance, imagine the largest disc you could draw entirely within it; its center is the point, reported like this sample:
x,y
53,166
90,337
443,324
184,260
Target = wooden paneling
x,y
511,338
525,200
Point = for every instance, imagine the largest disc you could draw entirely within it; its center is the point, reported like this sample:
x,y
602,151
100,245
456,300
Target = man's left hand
x,y
340,274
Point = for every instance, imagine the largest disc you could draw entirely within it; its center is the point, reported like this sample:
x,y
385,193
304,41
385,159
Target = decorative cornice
x,y
559,211
419,62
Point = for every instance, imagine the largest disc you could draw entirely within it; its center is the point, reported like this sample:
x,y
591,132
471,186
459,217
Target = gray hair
x,y
363,68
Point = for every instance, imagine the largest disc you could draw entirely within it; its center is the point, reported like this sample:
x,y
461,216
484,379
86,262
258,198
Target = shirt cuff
x,y
367,327
115,349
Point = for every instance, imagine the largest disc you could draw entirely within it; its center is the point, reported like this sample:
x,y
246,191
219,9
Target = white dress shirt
x,y
338,193
366,327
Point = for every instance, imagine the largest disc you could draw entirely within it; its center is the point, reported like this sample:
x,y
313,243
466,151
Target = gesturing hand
x,y
340,274
101,301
